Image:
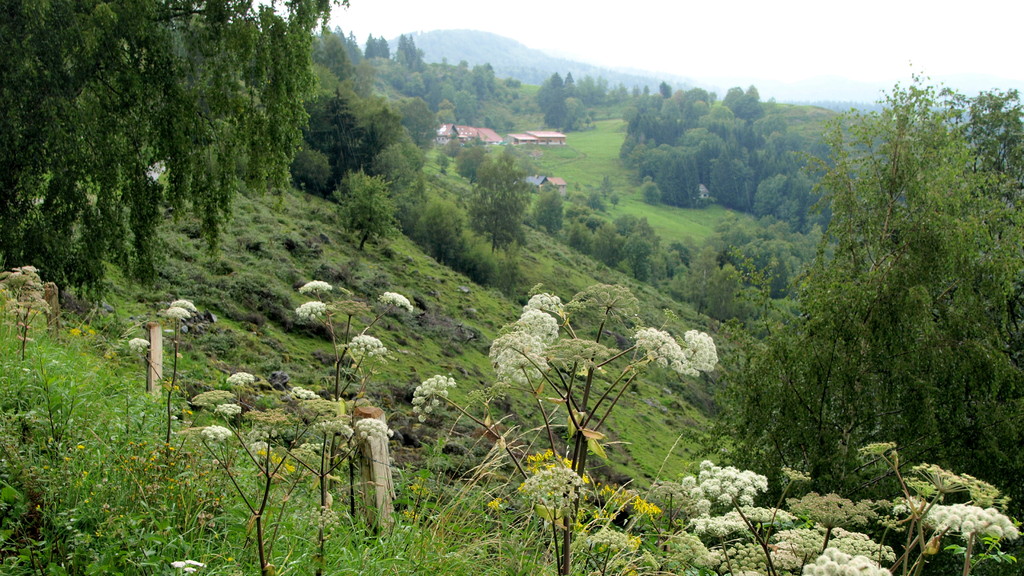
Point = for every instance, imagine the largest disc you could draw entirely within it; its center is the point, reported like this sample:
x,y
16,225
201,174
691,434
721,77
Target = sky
x,y
878,41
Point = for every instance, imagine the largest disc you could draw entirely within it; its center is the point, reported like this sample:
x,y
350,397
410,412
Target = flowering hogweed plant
x,y
311,311
833,562
555,487
216,434
228,410
429,394
364,347
316,287
372,429
241,379
138,345
970,521
395,300
177,313
554,352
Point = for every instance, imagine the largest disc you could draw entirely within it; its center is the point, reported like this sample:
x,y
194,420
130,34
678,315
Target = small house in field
x,y
559,184
542,181
466,134
539,137
520,139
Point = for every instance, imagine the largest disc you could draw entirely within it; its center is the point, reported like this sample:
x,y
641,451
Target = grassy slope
x,y
591,155
279,242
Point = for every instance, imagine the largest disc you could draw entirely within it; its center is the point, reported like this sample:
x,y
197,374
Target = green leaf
x,y
595,447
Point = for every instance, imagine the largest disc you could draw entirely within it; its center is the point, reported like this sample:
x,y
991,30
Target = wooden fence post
x,y
52,296
155,358
375,471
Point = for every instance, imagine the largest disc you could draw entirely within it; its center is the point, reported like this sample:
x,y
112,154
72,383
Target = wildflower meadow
x,y
97,476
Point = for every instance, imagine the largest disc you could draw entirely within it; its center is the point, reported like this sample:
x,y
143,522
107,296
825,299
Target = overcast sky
x,y
784,40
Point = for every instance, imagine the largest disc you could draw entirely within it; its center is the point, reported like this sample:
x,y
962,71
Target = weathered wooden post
x,y
375,471
155,358
52,296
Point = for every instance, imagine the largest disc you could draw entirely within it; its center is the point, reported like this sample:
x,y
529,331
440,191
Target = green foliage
x,y
903,332
501,197
212,96
366,207
547,210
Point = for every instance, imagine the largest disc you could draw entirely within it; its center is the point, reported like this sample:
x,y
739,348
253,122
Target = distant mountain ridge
x,y
512,59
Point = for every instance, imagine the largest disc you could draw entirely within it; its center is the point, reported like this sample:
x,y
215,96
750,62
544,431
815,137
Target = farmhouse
x,y
541,181
466,134
541,137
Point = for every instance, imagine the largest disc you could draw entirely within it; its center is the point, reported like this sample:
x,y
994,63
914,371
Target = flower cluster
x,y
138,345
241,379
311,311
687,548
372,429
859,544
662,349
607,540
718,526
339,427
967,520
832,510
539,324
304,394
216,433
228,410
742,558
429,394
545,303
796,547
212,398
315,287
518,357
555,487
177,313
702,352
186,304
365,346
396,300
726,485
833,562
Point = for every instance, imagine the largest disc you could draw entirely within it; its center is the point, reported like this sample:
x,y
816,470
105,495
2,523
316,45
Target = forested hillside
x,y
707,334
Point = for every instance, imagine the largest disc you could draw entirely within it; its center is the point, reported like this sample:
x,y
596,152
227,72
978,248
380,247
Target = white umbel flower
x,y
556,487
702,352
315,287
539,324
241,379
228,410
365,346
312,310
138,345
430,394
304,394
372,429
177,313
832,562
216,433
395,300
967,520
186,304
545,303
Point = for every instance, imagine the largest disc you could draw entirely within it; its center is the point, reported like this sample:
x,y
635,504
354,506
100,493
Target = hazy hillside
x,y
511,59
